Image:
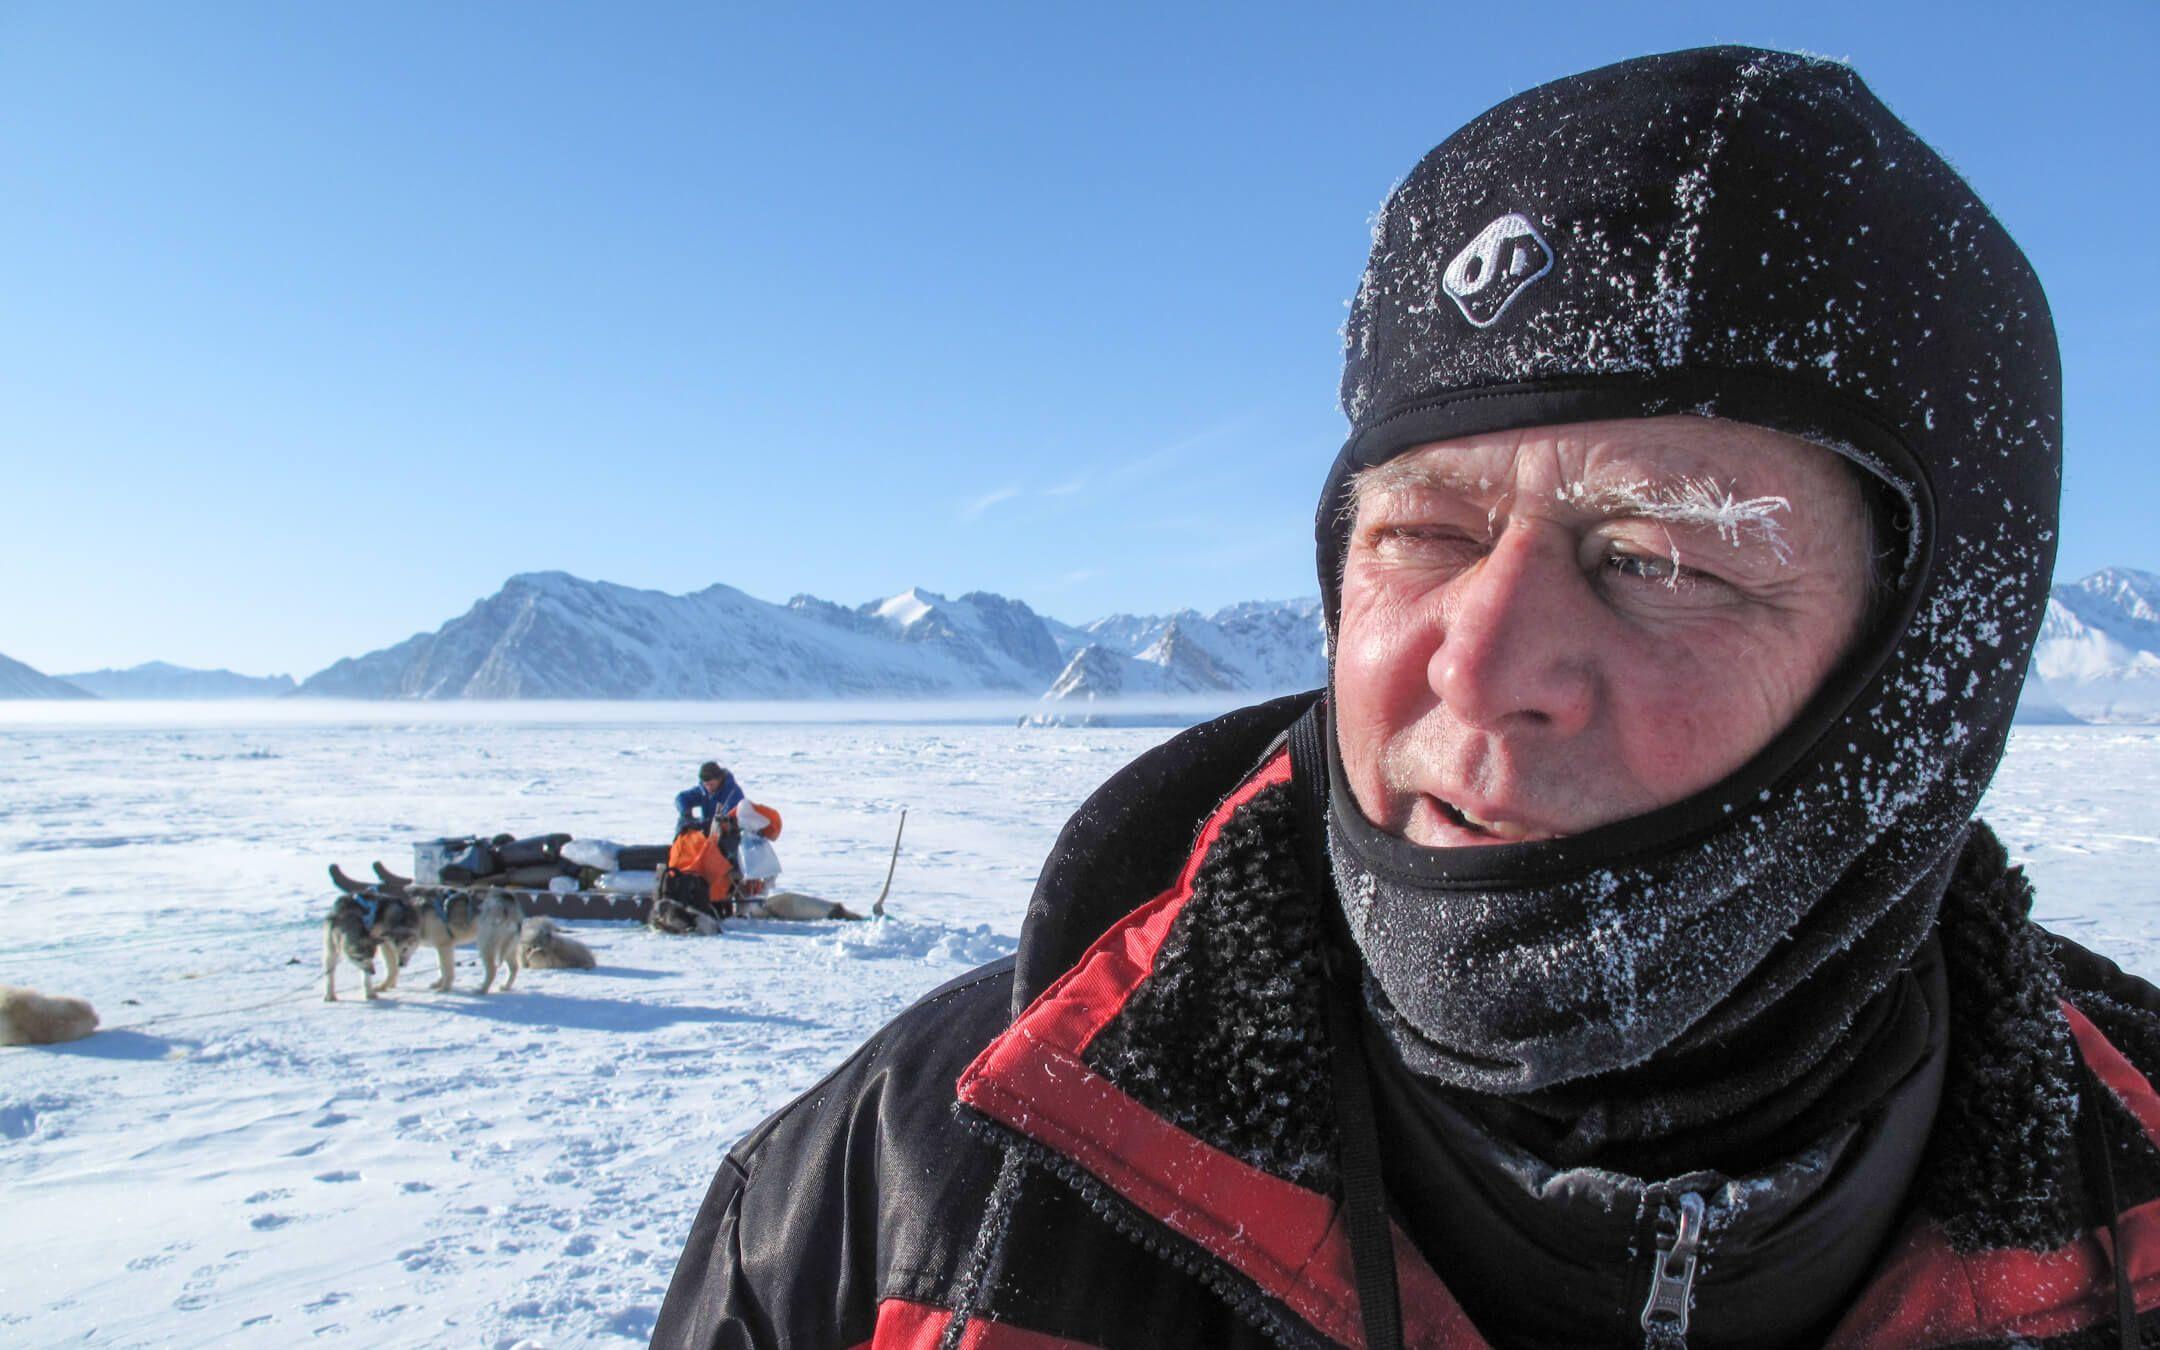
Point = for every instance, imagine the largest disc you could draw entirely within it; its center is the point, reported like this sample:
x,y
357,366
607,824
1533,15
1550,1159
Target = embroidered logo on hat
x,y
1495,267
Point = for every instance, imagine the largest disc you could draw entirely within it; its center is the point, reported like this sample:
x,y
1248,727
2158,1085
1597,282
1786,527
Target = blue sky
x,y
317,322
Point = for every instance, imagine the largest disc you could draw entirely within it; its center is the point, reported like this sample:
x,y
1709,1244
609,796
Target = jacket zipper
x,y
1672,1278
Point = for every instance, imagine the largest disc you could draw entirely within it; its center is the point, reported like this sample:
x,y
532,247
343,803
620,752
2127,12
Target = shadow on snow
x,y
119,1044
578,1013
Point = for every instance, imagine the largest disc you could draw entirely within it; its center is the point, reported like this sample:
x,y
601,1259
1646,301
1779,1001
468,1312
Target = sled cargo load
x,y
557,876
553,876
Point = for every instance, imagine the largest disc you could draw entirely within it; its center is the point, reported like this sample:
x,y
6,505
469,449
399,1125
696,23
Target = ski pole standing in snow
x,y
877,908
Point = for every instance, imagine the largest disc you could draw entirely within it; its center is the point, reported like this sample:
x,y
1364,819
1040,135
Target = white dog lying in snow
x,y
542,946
28,1017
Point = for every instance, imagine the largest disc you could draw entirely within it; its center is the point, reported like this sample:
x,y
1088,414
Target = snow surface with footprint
x,y
233,1162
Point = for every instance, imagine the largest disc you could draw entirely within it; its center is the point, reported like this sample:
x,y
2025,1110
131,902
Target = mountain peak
x,y
909,607
2134,593
2099,649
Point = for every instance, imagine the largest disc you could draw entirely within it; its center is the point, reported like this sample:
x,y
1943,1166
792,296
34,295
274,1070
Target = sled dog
x,y
28,1017
488,919
793,905
364,919
357,927
542,946
670,915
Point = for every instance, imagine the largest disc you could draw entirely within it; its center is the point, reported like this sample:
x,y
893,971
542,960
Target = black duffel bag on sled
x,y
468,859
533,852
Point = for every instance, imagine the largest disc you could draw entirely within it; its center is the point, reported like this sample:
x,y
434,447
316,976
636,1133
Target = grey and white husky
x,y
489,919
359,925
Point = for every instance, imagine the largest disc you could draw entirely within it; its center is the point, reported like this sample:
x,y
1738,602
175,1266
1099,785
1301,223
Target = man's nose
x,y
1517,648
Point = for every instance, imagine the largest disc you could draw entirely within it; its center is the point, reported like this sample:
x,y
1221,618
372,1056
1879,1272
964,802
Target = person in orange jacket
x,y
708,853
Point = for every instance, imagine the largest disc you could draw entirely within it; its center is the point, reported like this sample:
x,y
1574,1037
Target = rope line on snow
x,y
288,997
207,936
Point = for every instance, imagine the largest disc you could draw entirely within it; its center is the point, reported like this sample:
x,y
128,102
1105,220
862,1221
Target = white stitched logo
x,y
1496,267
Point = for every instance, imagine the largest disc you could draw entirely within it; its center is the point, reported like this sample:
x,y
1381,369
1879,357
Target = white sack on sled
x,y
760,861
604,854
629,883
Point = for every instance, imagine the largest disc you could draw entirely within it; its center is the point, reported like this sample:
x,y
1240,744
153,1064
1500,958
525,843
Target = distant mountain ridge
x,y
162,680
1252,646
552,635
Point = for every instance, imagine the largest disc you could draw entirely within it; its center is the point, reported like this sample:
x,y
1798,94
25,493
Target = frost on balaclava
x,y
1748,235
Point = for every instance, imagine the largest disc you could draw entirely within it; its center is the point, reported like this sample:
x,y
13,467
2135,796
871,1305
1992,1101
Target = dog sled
x,y
556,876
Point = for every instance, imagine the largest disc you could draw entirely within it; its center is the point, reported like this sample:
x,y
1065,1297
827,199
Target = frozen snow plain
x,y
521,1169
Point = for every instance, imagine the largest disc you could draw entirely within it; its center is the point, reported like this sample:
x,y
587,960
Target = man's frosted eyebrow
x,y
1700,502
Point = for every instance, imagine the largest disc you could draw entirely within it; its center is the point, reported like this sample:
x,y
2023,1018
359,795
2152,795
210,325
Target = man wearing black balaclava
x,y
1610,955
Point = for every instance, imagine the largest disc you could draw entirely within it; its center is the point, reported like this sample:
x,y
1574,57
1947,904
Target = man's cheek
x,y
1381,690
1687,735
1384,635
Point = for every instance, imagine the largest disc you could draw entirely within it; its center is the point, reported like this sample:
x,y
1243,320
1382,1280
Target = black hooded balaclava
x,y
1748,235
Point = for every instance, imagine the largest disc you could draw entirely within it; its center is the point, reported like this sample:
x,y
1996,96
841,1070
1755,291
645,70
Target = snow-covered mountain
x,y
20,681
1258,646
552,635
159,679
2099,647
1005,643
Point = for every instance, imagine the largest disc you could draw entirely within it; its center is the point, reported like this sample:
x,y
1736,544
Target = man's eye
x,y
1421,539
1643,567
1659,578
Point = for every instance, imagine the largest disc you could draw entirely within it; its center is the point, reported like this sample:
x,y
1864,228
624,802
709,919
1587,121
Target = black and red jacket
x,y
1122,1137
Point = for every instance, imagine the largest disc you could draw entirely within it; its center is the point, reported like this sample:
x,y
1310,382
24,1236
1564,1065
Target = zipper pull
x,y
1665,1314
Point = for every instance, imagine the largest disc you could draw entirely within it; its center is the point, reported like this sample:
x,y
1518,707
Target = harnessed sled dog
x,y
490,920
362,921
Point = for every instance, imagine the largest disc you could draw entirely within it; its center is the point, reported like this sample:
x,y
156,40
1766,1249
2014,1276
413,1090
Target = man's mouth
x,y
1496,831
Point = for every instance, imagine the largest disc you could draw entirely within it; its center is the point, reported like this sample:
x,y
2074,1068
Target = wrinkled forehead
x,y
1586,458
